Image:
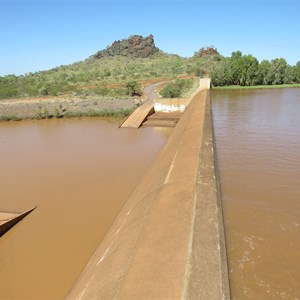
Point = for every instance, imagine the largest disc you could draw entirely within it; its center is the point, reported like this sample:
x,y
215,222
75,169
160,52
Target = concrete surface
x,y
205,84
170,105
168,241
160,119
136,119
208,261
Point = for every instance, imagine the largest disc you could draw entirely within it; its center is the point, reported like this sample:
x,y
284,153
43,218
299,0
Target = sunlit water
x,y
258,143
80,173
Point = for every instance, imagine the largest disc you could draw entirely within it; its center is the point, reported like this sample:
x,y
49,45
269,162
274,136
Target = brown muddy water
x,y
258,144
80,173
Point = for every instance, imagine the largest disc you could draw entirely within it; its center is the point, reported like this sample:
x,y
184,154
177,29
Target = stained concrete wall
x,y
170,104
168,241
179,104
208,260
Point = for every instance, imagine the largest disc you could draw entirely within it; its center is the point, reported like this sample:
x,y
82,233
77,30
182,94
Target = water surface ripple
x,y
80,173
258,144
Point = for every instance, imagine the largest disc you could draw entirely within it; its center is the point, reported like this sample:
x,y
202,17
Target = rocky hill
x,y
135,46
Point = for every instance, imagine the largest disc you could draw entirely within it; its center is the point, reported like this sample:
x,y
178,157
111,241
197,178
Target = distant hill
x,y
106,73
135,46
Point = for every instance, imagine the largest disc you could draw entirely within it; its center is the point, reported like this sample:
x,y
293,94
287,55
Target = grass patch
x,y
103,113
45,114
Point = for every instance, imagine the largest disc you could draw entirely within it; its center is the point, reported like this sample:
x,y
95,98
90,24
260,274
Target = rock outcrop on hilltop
x,y
206,51
135,46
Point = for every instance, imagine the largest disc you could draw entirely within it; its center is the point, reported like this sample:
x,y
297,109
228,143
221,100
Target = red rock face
x,y
135,46
207,51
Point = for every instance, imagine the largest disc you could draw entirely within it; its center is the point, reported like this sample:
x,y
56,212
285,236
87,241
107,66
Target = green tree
x,y
133,88
263,71
235,67
297,72
289,76
177,88
219,73
243,69
249,72
170,91
277,71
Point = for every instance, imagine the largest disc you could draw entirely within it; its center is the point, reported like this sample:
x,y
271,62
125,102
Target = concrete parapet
x,y
168,241
204,84
208,271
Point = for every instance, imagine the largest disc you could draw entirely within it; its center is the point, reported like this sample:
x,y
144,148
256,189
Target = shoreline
x,y
55,108
48,107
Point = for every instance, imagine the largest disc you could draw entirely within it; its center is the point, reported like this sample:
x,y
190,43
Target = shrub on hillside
x,y
176,89
133,88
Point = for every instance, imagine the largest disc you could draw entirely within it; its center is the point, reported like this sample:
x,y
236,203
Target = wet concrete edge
x,y
207,273
224,257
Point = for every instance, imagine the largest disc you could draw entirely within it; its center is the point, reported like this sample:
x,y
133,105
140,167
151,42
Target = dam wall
x,y
168,241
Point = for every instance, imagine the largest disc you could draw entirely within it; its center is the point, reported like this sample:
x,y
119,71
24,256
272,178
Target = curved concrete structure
x,y
168,241
139,115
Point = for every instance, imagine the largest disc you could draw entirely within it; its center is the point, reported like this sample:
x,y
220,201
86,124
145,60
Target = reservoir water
x,y
79,172
258,144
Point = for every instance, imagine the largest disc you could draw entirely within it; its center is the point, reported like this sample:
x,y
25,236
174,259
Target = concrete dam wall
x,y
168,241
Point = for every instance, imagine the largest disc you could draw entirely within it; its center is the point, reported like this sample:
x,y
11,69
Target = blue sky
x,y
38,35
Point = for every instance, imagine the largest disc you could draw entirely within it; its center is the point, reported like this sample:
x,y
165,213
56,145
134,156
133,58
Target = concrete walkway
x,y
139,115
168,241
136,119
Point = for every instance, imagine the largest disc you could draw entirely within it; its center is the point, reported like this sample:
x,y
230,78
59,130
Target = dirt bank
x,y
70,106
43,108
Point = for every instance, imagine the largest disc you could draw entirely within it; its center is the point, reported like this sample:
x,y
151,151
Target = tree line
x,y
93,76
246,70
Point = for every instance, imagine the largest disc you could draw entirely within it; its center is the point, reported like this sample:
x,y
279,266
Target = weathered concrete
x,y
159,119
168,241
170,105
136,119
209,271
161,105
204,83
